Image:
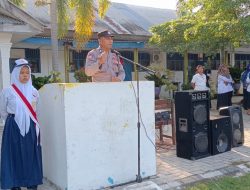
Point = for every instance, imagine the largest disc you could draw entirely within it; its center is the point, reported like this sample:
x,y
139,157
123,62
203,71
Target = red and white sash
x,y
28,106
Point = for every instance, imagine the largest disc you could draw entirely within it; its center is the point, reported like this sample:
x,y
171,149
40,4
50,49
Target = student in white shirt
x,y
225,88
199,80
21,154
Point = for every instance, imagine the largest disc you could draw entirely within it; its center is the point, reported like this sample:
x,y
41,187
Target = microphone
x,y
114,51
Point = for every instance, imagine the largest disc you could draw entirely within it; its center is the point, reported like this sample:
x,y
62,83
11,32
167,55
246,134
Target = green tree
x,y
205,26
219,24
83,15
170,37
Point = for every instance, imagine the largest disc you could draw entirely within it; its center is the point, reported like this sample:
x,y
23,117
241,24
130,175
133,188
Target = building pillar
x,y
232,59
136,59
66,45
4,65
5,45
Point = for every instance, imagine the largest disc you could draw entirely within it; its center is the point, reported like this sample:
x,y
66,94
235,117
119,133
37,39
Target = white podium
x,y
89,133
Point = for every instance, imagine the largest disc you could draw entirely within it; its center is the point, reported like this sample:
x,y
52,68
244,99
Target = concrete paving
x,y
176,173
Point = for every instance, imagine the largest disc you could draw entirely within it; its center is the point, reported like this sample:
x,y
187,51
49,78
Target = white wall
x,y
46,63
52,121
98,123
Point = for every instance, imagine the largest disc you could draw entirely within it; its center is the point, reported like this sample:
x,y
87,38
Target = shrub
x,y
81,76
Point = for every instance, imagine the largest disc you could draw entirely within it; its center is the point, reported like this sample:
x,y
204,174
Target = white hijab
x,y
22,117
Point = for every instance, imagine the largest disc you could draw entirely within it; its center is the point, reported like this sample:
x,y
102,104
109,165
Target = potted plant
x,y
81,76
39,82
187,86
162,78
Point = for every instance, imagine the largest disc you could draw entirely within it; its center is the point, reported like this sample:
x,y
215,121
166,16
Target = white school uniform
x,y
199,81
222,86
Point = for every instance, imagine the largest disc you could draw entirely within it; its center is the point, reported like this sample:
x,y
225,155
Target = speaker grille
x,y
222,143
237,135
201,142
236,118
200,114
236,122
192,123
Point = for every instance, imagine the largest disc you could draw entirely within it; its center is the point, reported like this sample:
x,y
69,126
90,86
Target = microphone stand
x,y
138,176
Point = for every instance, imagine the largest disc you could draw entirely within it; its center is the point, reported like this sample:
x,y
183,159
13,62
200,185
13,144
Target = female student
x,y
225,88
21,158
199,80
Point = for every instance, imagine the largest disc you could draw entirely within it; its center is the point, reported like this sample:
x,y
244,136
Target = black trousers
x,y
224,99
245,98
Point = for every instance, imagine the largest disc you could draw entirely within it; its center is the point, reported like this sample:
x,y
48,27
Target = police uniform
x,y
103,72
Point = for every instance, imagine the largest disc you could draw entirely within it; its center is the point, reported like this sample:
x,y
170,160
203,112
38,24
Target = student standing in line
x,y
244,77
21,157
247,93
225,87
199,80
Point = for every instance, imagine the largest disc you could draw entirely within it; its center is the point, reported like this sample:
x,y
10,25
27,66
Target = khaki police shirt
x,y
111,68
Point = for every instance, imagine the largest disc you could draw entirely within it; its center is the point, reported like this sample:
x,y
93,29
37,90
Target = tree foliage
x,y
80,13
170,35
206,26
218,23
19,3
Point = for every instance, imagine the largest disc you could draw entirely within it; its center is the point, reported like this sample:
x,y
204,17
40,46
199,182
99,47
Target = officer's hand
x,y
102,57
115,79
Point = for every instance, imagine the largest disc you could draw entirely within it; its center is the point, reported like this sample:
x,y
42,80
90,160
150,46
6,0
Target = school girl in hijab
x,y
21,158
224,88
243,79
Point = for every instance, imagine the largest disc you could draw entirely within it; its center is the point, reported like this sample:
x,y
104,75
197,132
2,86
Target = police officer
x,y
102,64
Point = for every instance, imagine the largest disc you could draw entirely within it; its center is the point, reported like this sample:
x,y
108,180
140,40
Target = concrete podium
x,y
89,133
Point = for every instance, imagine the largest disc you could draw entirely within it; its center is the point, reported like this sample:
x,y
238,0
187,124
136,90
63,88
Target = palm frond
x,y
72,3
103,7
84,21
39,3
19,3
62,17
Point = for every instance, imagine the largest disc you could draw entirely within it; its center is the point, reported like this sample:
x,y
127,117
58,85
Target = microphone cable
x,y
144,127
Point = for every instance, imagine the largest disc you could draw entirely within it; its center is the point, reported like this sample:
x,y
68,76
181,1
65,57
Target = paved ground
x,y
176,173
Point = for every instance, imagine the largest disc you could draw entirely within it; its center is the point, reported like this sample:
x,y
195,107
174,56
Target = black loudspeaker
x,y
192,123
220,135
235,114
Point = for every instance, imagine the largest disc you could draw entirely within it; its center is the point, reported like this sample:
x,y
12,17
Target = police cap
x,y
104,33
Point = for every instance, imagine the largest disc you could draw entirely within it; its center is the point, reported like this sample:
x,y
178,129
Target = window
x,y
33,57
214,61
77,60
128,67
143,58
175,62
128,54
241,60
12,64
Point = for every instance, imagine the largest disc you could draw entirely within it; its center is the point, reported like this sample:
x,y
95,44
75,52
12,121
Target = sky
x,y
165,4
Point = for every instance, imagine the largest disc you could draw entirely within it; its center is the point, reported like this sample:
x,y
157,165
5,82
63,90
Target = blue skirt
x,y
21,157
